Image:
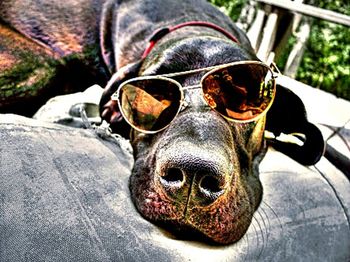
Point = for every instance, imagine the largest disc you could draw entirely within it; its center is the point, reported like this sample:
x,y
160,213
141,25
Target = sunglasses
x,y
239,91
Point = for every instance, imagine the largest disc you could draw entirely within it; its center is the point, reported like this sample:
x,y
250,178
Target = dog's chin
x,y
224,221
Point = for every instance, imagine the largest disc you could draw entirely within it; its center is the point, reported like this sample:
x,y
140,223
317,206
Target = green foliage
x,y
325,63
229,7
326,60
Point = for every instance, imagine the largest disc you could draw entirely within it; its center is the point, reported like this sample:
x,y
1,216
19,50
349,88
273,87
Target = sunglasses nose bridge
x,y
193,98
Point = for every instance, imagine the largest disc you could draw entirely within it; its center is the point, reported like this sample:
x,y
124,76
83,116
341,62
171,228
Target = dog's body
x,y
48,48
201,173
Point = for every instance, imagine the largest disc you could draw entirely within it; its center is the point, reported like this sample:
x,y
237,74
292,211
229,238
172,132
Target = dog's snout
x,y
192,178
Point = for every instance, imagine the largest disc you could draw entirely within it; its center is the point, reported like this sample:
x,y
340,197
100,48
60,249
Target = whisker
x,y
274,213
251,255
278,220
257,236
268,221
262,237
246,238
267,228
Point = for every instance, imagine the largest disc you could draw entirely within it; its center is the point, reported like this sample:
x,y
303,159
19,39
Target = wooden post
x,y
287,26
269,34
247,15
254,32
297,52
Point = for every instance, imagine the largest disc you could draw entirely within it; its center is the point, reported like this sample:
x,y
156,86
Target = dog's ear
x,y
109,109
288,116
106,34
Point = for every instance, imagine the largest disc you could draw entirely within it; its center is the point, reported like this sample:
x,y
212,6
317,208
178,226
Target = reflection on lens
x,y
240,92
149,104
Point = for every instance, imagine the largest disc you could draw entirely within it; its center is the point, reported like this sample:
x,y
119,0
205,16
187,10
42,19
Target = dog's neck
x,y
160,33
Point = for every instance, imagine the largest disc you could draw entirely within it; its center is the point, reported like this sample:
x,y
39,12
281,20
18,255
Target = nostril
x,y
210,186
172,177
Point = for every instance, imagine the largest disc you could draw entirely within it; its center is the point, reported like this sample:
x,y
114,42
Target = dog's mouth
x,y
194,196
224,220
212,234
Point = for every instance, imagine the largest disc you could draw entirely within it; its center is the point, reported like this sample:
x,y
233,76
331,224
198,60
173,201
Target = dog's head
x,y
199,175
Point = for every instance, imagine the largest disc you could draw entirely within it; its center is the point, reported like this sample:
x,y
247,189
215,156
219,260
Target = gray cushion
x,y
64,197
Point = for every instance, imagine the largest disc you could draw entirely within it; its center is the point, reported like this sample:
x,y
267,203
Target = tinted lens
x,y
149,104
240,92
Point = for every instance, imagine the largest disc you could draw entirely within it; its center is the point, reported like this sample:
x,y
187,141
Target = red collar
x,y
158,34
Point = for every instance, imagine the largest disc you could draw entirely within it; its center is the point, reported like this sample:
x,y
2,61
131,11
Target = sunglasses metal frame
x,y
183,104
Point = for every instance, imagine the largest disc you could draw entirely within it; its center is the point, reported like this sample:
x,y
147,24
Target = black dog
x,y
199,174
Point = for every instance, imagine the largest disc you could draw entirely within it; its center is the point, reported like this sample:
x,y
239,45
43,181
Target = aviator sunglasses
x,y
240,92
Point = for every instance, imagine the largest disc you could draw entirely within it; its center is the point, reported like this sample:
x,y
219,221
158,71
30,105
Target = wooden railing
x,y
309,10
274,23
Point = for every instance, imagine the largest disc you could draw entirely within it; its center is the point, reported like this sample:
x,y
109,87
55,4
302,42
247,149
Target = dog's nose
x,y
192,177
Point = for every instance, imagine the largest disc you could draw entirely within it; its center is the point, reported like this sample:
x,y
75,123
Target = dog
x,y
196,173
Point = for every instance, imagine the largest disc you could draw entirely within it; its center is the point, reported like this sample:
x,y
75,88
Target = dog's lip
x,y
186,228
180,230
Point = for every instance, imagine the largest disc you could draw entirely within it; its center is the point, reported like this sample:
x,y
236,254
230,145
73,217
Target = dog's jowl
x,y
188,90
